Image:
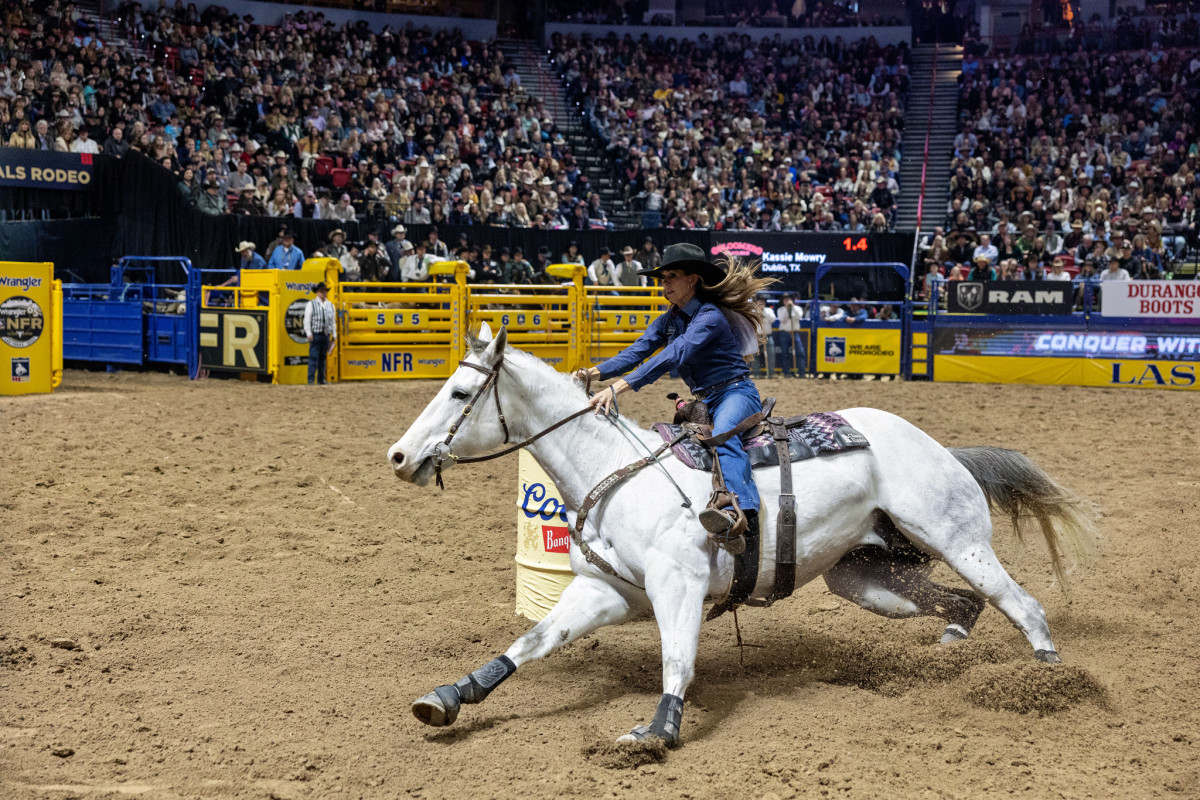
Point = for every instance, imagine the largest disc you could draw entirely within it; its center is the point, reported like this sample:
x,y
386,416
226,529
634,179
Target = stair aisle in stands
x,y
941,126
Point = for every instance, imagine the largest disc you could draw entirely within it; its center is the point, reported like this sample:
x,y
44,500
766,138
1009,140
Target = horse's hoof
x,y
953,633
642,733
439,708
1047,656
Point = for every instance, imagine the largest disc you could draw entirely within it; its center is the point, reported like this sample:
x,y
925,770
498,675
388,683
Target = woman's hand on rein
x,y
587,375
605,399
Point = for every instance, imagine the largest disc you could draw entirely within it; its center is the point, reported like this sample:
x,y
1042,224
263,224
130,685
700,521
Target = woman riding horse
x,y
711,327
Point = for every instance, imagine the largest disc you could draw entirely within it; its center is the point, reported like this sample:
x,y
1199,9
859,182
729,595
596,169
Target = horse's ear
x,y
478,343
495,349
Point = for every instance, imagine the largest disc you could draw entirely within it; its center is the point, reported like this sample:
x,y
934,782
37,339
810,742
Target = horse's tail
x,y
1019,489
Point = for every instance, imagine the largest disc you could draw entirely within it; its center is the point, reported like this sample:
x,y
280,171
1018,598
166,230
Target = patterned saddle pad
x,y
817,434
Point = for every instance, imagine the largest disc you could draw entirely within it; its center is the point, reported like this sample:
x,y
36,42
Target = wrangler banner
x,y
866,351
43,169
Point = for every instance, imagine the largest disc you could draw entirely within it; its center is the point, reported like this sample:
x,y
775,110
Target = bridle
x,y
442,453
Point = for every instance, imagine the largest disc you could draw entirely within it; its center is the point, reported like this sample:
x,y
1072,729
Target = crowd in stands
x,y
1089,158
400,258
303,119
730,133
740,13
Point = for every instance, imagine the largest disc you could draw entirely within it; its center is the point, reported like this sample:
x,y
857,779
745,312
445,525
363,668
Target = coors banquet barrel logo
x,y
21,322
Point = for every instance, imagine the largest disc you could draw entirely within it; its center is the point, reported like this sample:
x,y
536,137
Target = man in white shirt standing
x,y
791,346
764,362
320,326
414,267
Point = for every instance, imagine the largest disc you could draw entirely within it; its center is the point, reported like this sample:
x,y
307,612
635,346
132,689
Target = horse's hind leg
x,y
961,536
895,583
586,604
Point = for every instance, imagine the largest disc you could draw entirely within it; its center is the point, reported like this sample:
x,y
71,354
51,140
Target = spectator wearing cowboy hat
x,y
373,264
600,272
320,328
629,271
982,271
337,244
249,258
212,201
287,255
518,270
435,246
247,204
395,251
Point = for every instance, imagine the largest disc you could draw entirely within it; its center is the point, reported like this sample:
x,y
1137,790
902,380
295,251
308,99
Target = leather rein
x,y
442,452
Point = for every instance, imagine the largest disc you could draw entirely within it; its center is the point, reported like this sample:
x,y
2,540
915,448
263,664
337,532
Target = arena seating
x,y
338,106
730,133
1089,155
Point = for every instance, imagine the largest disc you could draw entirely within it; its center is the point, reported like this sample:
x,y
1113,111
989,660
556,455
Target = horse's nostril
x,y
398,458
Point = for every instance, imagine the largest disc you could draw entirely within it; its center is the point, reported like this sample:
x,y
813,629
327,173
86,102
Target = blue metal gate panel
x,y
96,328
166,338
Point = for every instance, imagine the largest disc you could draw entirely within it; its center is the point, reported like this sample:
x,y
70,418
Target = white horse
x,y
870,520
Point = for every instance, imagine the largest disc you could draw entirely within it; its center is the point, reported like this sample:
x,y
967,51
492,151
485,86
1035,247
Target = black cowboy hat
x,y
320,287
690,259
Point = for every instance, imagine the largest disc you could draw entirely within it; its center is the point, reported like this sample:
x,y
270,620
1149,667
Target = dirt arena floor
x,y
218,589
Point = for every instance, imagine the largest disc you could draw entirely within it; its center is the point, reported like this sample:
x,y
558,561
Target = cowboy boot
x,y
725,526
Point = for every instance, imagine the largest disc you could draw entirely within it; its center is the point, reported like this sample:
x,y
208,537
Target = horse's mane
x,y
541,381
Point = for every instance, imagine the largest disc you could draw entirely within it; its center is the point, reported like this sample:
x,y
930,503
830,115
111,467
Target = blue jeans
x,y
791,346
318,349
728,407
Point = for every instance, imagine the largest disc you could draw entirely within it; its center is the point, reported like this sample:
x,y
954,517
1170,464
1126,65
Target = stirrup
x,y
723,528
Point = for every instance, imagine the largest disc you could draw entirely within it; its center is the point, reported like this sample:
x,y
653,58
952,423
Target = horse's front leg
x,y
677,592
586,604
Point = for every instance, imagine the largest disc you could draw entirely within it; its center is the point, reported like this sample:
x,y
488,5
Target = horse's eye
x,y
459,395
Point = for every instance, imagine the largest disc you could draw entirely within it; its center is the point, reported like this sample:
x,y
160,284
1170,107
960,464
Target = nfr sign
x,y
396,362
234,339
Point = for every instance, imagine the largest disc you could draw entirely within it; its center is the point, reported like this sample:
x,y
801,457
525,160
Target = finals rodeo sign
x,y
42,169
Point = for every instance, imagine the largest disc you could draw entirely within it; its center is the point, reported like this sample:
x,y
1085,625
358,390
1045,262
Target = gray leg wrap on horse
x,y
668,718
440,707
478,685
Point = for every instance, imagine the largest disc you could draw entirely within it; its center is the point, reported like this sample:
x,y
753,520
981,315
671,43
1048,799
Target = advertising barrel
x,y
543,541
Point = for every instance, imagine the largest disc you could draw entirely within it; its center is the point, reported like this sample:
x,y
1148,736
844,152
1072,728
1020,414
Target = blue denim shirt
x,y
697,342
